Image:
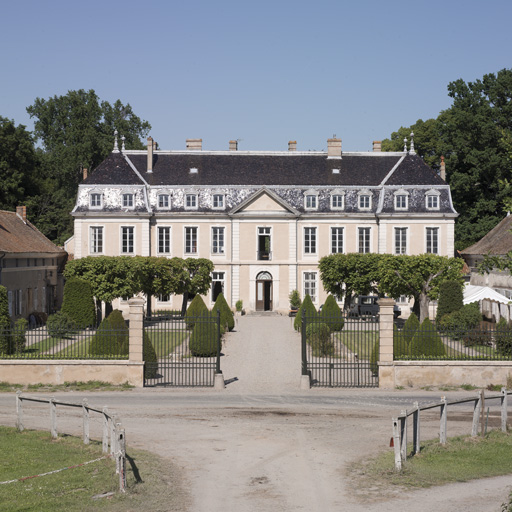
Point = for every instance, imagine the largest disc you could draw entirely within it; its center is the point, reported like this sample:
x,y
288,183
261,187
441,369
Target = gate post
x,y
386,369
136,337
305,380
218,382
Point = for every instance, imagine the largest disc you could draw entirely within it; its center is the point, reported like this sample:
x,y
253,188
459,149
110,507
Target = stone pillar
x,y
386,369
136,329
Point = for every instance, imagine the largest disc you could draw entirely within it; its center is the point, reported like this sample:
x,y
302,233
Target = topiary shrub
x,y
451,298
78,302
310,312
409,329
59,325
112,337
426,342
318,335
150,358
227,320
204,338
195,309
239,305
18,335
400,342
5,323
503,338
374,359
294,298
460,321
331,314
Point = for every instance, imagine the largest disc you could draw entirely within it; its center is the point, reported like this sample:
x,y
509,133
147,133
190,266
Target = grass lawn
x,y
153,484
359,342
45,345
90,385
165,342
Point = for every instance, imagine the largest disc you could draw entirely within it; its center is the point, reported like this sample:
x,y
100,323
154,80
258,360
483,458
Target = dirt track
x,y
262,444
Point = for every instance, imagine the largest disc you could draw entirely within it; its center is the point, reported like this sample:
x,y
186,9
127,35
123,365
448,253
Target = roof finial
x,y
405,144
116,149
123,138
412,152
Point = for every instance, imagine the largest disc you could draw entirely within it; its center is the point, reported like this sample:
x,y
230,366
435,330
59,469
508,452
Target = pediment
x,y
264,202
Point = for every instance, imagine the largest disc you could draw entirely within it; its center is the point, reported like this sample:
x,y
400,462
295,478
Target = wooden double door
x,y
264,292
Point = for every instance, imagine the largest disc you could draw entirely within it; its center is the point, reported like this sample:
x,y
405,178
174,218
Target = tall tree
x,y
75,131
196,279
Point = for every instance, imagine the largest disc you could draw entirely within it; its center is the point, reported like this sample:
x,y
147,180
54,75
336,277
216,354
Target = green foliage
x,y
5,322
318,335
195,309
477,337
426,341
410,327
375,357
309,310
294,299
197,279
239,305
18,335
60,325
331,314
503,338
112,336
467,317
451,298
78,303
401,342
227,321
149,357
204,338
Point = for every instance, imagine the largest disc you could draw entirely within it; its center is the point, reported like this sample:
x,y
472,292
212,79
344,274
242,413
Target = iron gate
x,y
187,349
340,351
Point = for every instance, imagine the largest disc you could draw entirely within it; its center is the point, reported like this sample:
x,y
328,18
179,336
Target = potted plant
x,y
295,302
240,307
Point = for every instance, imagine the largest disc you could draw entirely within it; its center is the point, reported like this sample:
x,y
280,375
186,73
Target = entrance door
x,y
263,292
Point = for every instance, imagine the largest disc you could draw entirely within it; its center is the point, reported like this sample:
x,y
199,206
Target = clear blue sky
x,y
265,72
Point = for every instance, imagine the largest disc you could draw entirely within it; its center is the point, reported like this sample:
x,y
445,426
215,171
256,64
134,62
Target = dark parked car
x,y
366,305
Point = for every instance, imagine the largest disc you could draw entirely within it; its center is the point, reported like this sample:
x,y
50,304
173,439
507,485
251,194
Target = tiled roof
x,y
18,237
497,242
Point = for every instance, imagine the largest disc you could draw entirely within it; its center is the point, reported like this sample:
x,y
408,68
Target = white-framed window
x,y
310,201
218,201
337,201
95,200
127,240
164,240
365,200
336,240
190,240
432,240
401,200
191,201
309,240
364,240
217,240
218,279
310,287
96,240
164,298
400,240
432,199
128,200
164,201
264,243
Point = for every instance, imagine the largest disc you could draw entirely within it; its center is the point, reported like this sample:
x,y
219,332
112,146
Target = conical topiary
x,y
400,343
426,341
310,311
112,337
150,358
331,314
409,329
195,309
204,338
78,302
227,320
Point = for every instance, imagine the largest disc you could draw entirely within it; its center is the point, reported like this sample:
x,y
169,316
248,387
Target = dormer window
x,y
432,199
95,200
401,200
191,201
365,200
218,201
163,201
311,200
337,200
127,200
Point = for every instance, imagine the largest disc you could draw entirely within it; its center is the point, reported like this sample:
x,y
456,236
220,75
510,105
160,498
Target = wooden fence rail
x,y
400,426
113,433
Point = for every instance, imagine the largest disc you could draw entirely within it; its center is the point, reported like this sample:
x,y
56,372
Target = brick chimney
x,y
233,145
443,169
84,173
377,146
195,144
334,148
21,211
292,145
150,154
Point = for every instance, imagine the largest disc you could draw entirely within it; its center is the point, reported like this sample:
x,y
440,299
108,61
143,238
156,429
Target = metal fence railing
x,y
454,343
69,343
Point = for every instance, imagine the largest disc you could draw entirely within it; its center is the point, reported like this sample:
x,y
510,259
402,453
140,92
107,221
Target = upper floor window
x,y
218,201
432,241
365,200
217,240
336,240
163,201
191,201
337,201
311,202
95,200
164,240
364,240
191,240
310,240
127,240
127,200
401,200
432,200
264,244
96,241
400,240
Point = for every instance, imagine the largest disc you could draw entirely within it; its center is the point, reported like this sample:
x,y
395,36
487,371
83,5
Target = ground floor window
x,y
217,284
310,285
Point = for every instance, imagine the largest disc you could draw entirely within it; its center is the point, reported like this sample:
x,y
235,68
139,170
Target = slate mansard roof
x,y
238,175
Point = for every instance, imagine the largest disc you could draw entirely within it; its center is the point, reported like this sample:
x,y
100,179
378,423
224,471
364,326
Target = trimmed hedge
x,y
227,320
196,308
426,341
331,314
5,322
112,336
451,298
461,320
59,325
318,335
203,340
310,310
503,338
149,357
78,302
18,335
